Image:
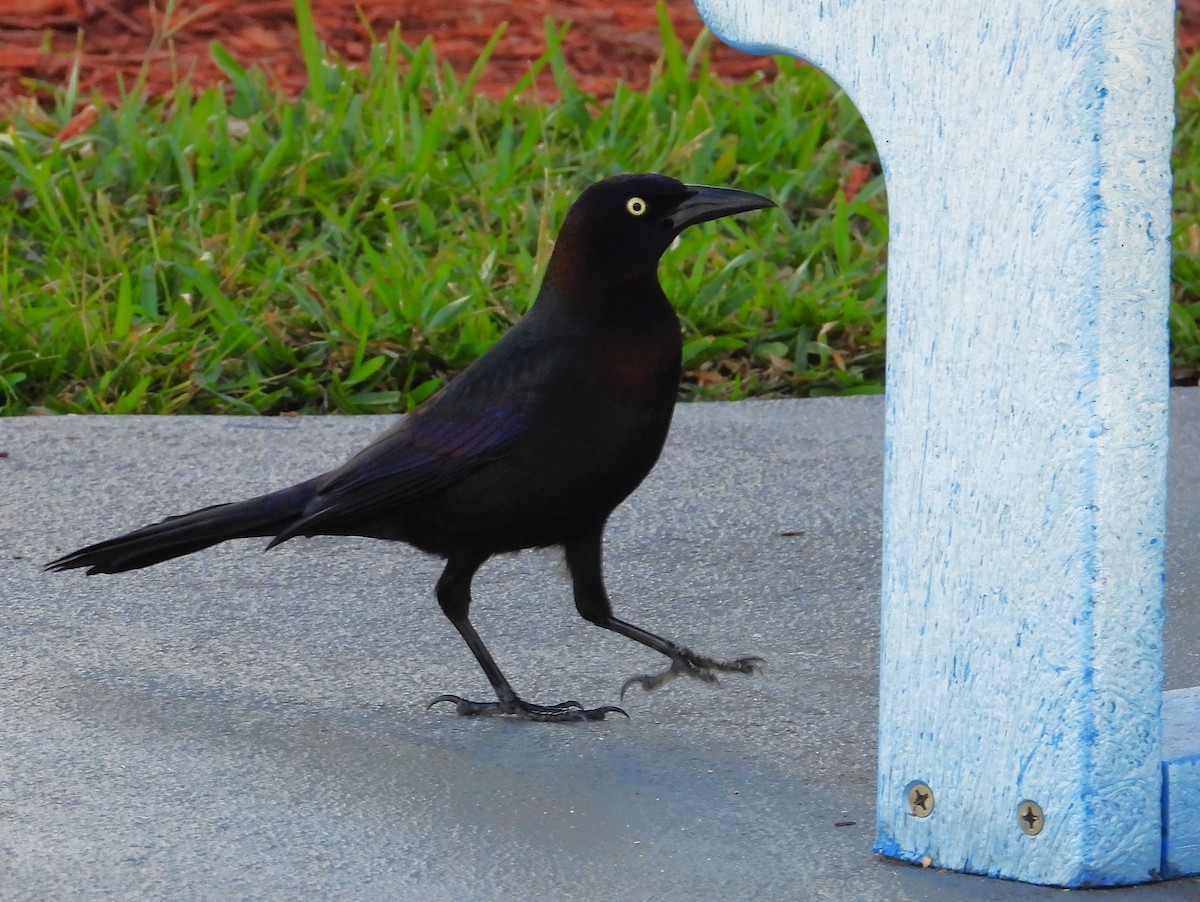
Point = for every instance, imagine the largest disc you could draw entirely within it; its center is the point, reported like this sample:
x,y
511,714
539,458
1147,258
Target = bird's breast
x,y
639,372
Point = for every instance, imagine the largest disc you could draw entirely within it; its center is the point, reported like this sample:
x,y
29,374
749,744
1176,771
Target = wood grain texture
x,y
1026,152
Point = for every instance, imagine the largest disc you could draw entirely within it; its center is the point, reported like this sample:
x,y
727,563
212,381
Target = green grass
x,y
1185,271
351,249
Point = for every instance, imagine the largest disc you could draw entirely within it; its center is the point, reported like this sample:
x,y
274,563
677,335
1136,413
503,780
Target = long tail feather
x,y
266,515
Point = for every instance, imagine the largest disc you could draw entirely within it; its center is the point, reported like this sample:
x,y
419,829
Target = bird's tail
x,y
266,515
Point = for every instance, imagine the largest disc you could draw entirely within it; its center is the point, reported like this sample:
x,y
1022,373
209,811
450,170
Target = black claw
x,y
750,665
598,713
523,710
465,706
641,680
688,663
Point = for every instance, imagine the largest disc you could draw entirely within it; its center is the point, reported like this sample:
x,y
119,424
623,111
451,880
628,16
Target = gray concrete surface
x,y
240,725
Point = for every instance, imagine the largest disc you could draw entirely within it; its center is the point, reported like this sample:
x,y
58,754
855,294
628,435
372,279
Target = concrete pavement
x,y
240,725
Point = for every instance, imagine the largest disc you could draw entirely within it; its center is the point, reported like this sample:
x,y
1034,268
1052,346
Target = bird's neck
x,y
628,300
626,330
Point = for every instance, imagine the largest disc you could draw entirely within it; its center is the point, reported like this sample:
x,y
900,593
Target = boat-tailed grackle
x,y
533,445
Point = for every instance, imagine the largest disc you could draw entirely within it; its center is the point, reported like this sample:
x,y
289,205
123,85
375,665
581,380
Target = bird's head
x,y
619,228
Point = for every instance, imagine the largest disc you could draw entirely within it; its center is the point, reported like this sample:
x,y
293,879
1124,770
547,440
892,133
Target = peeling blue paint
x,y
887,844
1025,759
1016,601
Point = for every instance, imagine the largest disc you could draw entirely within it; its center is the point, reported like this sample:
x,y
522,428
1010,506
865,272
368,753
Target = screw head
x,y
920,800
1030,817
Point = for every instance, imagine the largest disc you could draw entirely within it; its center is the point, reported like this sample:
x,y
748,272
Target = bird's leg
x,y
591,599
454,596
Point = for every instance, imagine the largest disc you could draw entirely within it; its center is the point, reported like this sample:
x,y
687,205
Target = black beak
x,y
704,204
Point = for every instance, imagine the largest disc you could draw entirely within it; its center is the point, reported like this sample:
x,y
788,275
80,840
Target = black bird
x,y
532,445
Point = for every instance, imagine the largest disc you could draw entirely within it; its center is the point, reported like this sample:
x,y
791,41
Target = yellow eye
x,y
636,206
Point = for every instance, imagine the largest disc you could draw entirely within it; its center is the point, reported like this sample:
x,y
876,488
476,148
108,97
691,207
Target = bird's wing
x,y
425,451
474,420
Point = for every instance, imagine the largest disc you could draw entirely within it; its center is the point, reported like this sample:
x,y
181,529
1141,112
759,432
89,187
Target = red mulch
x,y
610,40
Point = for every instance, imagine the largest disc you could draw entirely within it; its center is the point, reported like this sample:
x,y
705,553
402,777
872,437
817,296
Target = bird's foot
x,y
686,662
523,710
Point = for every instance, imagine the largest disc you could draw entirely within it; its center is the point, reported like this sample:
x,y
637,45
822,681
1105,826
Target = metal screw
x,y
1030,817
920,800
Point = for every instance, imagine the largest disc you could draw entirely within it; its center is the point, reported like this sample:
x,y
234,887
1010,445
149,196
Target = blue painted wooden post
x,y
1026,148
